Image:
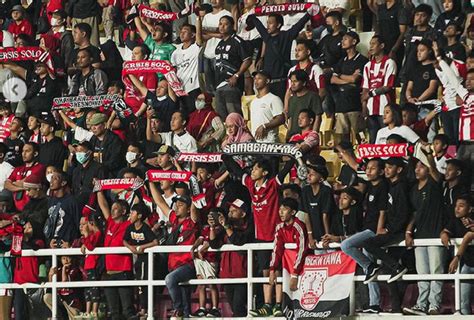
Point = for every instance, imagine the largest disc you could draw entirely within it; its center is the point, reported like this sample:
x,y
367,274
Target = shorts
x,y
263,259
205,269
349,120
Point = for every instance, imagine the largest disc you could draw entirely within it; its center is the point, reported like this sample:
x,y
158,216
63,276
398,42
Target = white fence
x,y
250,280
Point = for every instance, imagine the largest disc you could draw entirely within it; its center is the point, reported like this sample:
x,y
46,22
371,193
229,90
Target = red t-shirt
x,y
5,126
24,27
114,238
187,236
210,256
20,198
133,98
91,242
27,268
264,206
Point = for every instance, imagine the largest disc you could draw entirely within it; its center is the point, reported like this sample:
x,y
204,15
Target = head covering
x,y
242,134
97,119
183,198
48,119
18,7
166,149
239,204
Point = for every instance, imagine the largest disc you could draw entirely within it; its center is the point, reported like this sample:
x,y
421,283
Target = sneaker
x,y
199,313
372,273
177,315
264,311
277,310
214,313
415,310
372,310
433,311
397,274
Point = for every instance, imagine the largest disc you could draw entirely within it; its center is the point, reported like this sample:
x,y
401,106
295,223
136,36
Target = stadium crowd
x,y
294,77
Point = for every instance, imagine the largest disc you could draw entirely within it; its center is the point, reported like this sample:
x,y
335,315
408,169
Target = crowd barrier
x,y
250,280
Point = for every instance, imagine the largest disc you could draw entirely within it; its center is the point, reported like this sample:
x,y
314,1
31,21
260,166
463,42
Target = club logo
x,y
312,286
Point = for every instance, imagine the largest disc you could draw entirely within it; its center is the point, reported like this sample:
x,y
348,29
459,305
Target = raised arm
x,y
142,29
158,198
138,84
103,205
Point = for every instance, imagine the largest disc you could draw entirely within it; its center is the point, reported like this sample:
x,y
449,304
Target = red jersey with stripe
x,y
187,236
133,98
23,27
5,127
91,242
114,238
316,76
264,206
378,75
20,198
289,233
466,120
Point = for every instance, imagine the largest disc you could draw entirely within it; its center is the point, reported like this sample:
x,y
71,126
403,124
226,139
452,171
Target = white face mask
x,y
55,22
131,156
200,104
48,177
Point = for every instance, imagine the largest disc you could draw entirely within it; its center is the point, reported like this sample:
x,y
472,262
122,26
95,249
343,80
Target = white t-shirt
x,y
211,21
184,142
8,40
403,131
169,202
5,171
242,24
441,163
333,4
262,111
81,134
186,63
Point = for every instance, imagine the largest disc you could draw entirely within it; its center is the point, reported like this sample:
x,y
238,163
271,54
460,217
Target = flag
x,y
323,287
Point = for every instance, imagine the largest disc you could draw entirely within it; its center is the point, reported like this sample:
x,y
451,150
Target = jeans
x,y
374,246
237,297
374,123
228,100
119,296
180,295
466,289
20,304
429,260
351,246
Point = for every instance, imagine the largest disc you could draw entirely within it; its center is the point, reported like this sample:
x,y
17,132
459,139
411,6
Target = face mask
x,y
130,156
54,22
48,177
82,157
200,104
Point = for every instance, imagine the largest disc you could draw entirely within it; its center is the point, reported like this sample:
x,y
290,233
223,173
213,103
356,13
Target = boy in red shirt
x,y
19,23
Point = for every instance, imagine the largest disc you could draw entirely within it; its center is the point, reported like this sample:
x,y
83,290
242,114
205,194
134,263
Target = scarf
x,y
365,151
158,175
106,100
283,8
110,184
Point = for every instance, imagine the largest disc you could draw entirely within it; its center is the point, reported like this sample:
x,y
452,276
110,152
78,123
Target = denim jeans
x,y
429,260
466,289
119,296
351,246
180,295
228,100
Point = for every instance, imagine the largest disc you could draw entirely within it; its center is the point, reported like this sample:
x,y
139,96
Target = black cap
x,y
354,35
353,193
48,119
262,72
183,198
395,161
86,144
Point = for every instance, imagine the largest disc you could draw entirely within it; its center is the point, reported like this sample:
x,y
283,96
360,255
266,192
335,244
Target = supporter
x,y
317,200
88,81
5,168
52,151
108,149
454,184
204,173
34,129
180,266
82,39
36,210
329,48
91,239
58,29
377,85
392,118
86,12
346,83
111,60
19,23
85,172
51,44
157,38
64,214
15,141
212,36
205,125
266,110
420,127
236,229
134,158
137,238
178,137
302,98
393,19
453,14
186,60
440,152
236,130
164,157
454,48
6,40
7,117
290,230
276,58
233,58
14,183
458,227
307,139
206,264
41,90
117,267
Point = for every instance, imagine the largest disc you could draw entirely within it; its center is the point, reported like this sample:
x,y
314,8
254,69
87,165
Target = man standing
x,y
157,38
81,34
52,151
233,58
266,110
86,11
58,29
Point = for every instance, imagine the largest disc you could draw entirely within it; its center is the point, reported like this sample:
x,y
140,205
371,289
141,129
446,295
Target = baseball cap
x,y
239,204
183,198
84,143
166,149
262,72
48,119
97,118
61,13
17,7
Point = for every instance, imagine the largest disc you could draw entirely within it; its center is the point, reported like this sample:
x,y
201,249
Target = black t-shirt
x,y
139,237
422,75
389,21
164,108
456,51
412,37
14,147
230,54
315,205
53,153
348,176
458,230
93,50
330,50
450,195
347,97
67,225
346,225
399,208
429,210
376,200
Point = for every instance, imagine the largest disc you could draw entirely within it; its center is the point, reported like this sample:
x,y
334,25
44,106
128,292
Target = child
x,y
137,238
206,268
204,173
462,227
440,147
290,230
91,238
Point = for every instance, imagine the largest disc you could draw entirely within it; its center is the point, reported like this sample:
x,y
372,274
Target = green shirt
x,y
309,101
159,51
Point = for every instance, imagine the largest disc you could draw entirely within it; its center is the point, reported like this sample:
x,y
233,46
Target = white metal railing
x,y
249,280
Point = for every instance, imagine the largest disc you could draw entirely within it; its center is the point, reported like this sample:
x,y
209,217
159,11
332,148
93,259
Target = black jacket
x,y
95,83
53,153
82,180
111,150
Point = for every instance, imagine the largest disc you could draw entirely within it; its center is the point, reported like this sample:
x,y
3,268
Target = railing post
x,y
457,284
54,311
150,285
249,280
352,296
